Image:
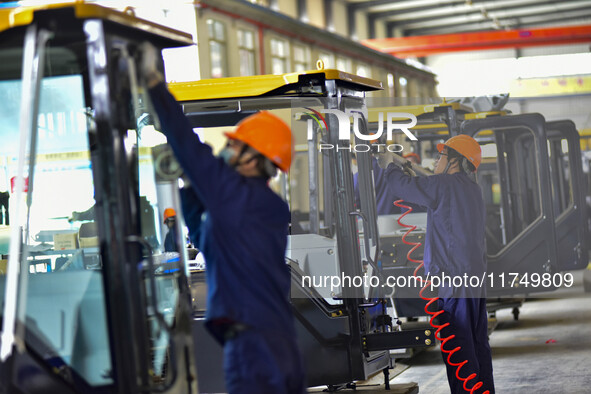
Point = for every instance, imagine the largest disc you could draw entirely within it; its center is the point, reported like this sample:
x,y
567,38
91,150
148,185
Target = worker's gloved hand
x,y
384,159
407,168
149,64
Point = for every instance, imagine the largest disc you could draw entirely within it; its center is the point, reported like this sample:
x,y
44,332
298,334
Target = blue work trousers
x,y
263,363
468,321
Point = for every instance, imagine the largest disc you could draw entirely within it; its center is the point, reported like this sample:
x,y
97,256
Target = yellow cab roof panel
x,y
23,15
259,85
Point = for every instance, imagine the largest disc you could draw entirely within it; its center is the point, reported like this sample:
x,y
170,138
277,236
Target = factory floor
x,y
548,350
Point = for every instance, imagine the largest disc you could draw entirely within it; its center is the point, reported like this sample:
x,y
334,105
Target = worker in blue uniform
x,y
454,246
242,228
171,238
385,196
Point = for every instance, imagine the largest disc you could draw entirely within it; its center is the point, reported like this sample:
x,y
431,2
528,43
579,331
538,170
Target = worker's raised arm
x,y
212,180
420,190
209,175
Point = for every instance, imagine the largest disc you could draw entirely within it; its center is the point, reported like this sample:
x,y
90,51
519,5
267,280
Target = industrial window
x,y
403,84
279,56
327,59
391,89
344,64
246,52
363,71
301,58
560,175
217,48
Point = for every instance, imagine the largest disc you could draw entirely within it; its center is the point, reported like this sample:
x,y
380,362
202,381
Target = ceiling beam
x,y
492,15
456,9
364,5
390,5
420,46
584,17
572,21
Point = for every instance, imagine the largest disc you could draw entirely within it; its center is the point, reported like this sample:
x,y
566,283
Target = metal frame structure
x,y
572,232
556,240
335,336
425,17
445,43
105,44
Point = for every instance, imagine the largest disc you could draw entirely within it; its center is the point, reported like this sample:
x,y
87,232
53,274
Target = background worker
x,y
413,157
385,196
455,246
170,241
243,236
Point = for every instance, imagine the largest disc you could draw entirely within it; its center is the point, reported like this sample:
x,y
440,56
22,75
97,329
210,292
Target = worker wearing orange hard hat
x,y
413,157
249,144
455,248
168,214
241,227
170,241
468,155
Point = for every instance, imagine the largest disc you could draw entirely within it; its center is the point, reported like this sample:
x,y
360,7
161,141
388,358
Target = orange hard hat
x,y
269,135
412,154
465,146
168,213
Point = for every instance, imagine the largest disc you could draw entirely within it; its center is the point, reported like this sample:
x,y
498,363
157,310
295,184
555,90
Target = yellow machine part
x,y
422,112
585,139
416,110
259,85
483,115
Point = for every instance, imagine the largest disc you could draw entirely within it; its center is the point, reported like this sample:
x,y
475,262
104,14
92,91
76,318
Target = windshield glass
x,y
64,314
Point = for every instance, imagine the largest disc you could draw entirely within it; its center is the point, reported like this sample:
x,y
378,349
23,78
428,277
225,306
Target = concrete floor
x,y
523,361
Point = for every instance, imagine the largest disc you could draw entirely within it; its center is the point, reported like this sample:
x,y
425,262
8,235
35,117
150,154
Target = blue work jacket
x,y
455,238
385,196
170,240
242,226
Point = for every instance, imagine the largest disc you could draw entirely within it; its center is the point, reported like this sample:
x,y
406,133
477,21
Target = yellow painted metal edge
x,y
416,110
13,17
22,16
431,127
330,74
483,115
258,85
551,86
87,11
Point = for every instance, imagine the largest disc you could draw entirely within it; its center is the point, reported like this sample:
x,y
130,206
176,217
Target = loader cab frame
x,y
96,307
534,193
520,152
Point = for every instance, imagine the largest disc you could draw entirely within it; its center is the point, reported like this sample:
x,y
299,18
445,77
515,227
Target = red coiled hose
x,y
431,300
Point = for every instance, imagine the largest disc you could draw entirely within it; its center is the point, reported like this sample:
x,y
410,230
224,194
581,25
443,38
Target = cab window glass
x,y
65,316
